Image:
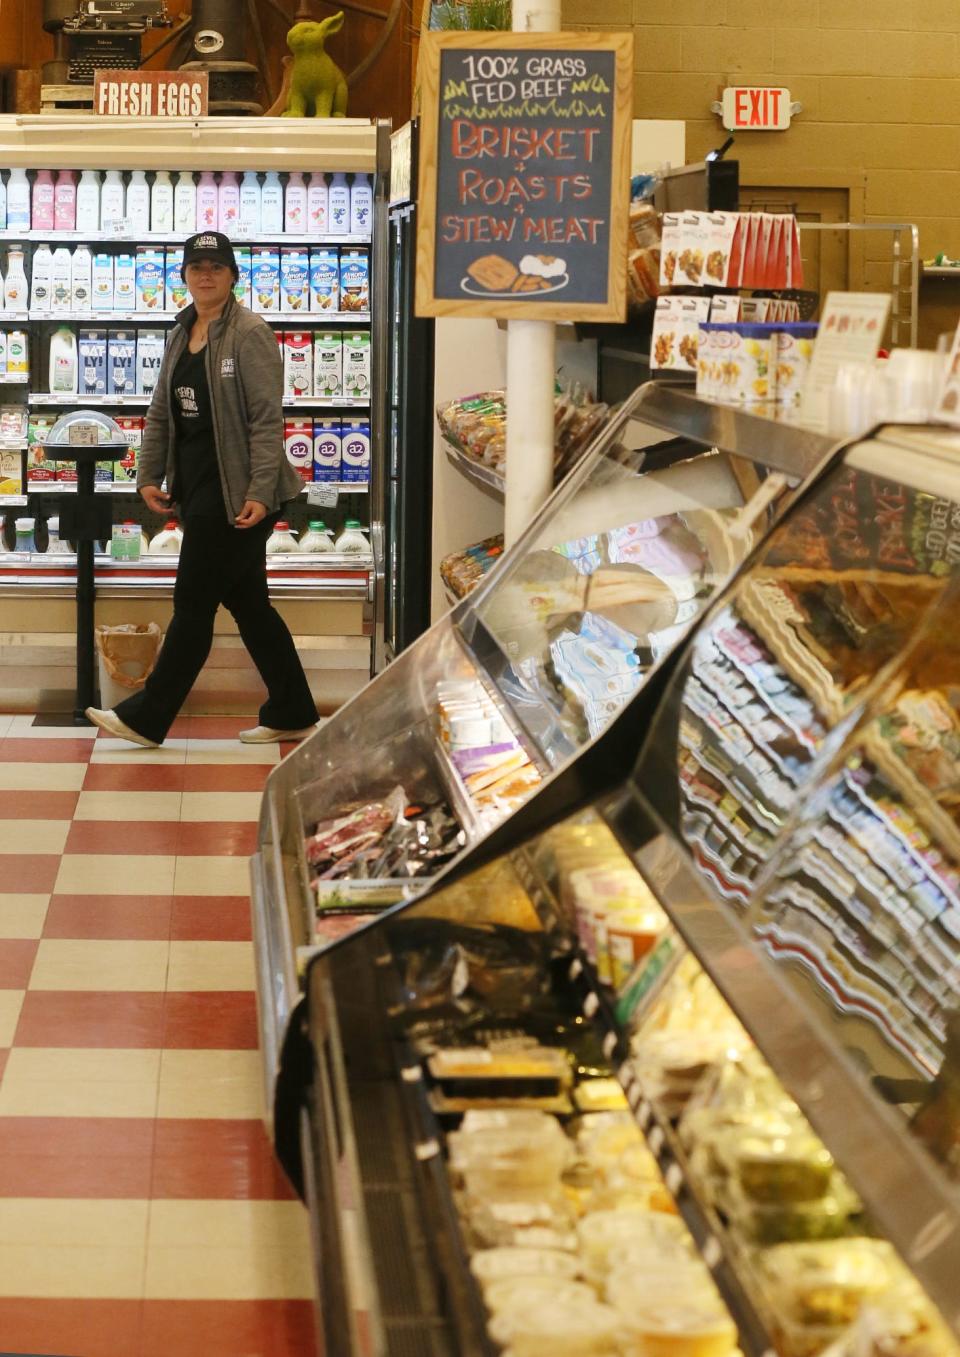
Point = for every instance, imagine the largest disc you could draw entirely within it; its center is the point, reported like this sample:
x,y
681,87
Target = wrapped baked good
x,y
491,1266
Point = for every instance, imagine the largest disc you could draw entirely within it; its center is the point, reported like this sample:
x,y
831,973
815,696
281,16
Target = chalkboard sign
x,y
524,175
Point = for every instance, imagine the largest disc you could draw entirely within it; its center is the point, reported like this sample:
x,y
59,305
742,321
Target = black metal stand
x,y
86,517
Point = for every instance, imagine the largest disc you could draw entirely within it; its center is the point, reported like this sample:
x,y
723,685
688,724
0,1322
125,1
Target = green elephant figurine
x,y
318,87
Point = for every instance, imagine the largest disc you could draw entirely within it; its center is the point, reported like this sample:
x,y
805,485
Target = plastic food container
x,y
695,1327
824,1285
490,1266
560,1329
776,1169
523,1154
604,1236
789,1221
518,1295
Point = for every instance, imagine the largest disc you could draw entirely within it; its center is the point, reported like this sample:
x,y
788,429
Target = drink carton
x,y
125,471
150,347
101,285
355,450
324,279
150,278
326,449
297,364
121,363
92,352
265,268
298,443
11,474
242,287
39,467
294,279
124,283
356,366
176,295
355,280
327,365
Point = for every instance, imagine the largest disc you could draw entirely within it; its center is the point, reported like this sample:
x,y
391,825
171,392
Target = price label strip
x,y
323,496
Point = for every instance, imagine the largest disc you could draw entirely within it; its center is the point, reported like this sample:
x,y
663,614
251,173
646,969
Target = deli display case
x,y
479,711
667,1062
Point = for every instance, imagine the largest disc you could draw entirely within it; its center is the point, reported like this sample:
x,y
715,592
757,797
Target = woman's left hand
x,y
251,513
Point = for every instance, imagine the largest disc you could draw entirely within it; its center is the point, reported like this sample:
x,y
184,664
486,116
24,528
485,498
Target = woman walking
x,y
214,432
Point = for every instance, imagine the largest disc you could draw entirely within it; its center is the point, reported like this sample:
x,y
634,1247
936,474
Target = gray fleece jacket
x,y
245,376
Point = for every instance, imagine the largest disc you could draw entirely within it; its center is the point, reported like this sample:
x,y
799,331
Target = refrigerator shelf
x,y
474,471
307,319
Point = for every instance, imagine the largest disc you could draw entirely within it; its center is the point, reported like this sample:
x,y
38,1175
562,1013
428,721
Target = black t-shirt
x,y
198,489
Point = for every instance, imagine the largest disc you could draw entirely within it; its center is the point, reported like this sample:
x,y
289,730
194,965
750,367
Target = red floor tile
x,y
229,838
38,805
124,1020
218,1020
16,962
13,750
32,873
200,1328
105,836
209,727
112,1137
69,1328
212,777
209,918
75,1175
118,917
217,1159
135,777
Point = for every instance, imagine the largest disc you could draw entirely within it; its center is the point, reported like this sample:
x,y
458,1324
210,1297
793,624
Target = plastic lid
x,y
317,525
172,524
352,523
280,526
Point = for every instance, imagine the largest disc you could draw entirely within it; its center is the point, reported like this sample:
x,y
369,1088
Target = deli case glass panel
x,y
671,1054
471,718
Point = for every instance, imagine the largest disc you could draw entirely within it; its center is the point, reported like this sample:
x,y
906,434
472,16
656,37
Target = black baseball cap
x,y
212,245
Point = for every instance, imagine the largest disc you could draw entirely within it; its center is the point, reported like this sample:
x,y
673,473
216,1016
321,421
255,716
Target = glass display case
x,y
498,695
667,1062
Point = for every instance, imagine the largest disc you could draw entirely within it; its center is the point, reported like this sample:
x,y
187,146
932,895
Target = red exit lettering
x,y
756,108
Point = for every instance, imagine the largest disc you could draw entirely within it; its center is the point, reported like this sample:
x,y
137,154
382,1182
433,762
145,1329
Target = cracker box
x,y
265,279
354,280
356,366
794,350
670,248
294,279
324,279
327,364
721,229
676,333
327,435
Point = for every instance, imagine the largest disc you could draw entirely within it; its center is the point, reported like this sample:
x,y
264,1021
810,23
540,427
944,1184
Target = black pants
x,y
222,564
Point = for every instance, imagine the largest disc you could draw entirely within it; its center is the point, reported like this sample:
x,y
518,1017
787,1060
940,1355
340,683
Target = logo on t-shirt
x,y
187,397
226,367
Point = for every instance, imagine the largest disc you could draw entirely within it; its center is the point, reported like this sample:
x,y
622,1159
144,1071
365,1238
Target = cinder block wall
x,y
879,81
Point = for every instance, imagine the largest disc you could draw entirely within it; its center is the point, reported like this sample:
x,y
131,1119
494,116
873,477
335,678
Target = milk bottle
x,y
339,206
282,540
88,201
295,205
168,540
65,201
138,202
161,202
228,203
271,204
17,351
43,207
61,280
250,203
185,203
317,537
40,278
352,540
63,362
111,200
15,284
18,201
81,279
317,204
361,205
208,203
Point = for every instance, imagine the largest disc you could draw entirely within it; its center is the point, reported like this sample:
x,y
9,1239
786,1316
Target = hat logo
x,y
205,243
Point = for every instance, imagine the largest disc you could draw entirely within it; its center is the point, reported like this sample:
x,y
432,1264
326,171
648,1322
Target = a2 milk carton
x,y
150,346
265,279
327,365
176,294
355,450
92,362
356,366
121,363
326,449
294,279
297,363
298,444
150,278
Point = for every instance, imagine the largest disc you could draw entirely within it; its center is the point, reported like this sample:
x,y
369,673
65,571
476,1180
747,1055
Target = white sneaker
x,y
110,723
267,735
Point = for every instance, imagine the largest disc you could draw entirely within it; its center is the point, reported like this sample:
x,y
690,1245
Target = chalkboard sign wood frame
x,y
609,281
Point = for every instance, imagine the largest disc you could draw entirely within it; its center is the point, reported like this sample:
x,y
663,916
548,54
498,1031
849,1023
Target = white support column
x,y
531,364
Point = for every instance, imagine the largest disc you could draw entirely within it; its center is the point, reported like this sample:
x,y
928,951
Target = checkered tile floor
x,y
141,1211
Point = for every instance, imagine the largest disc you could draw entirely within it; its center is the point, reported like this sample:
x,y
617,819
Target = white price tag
x,y
123,226
243,230
323,496
84,433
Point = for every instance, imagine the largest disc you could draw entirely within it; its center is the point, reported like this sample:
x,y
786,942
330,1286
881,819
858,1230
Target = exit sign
x,y
756,108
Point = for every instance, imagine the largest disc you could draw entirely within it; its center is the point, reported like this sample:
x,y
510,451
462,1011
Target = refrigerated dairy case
x,y
518,678
668,1061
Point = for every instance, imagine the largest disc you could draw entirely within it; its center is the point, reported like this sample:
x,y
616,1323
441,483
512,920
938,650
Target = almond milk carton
x,y
265,279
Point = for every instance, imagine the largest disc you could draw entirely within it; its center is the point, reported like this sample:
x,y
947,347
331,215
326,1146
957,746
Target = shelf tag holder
x,y
323,496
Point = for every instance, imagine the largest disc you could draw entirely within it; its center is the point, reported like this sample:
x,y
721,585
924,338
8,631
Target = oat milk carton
x,y
265,279
92,361
121,363
150,347
297,363
298,443
326,449
327,365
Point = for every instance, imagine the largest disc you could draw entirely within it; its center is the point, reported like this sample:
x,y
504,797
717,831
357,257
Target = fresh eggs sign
x,y
524,175
150,94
